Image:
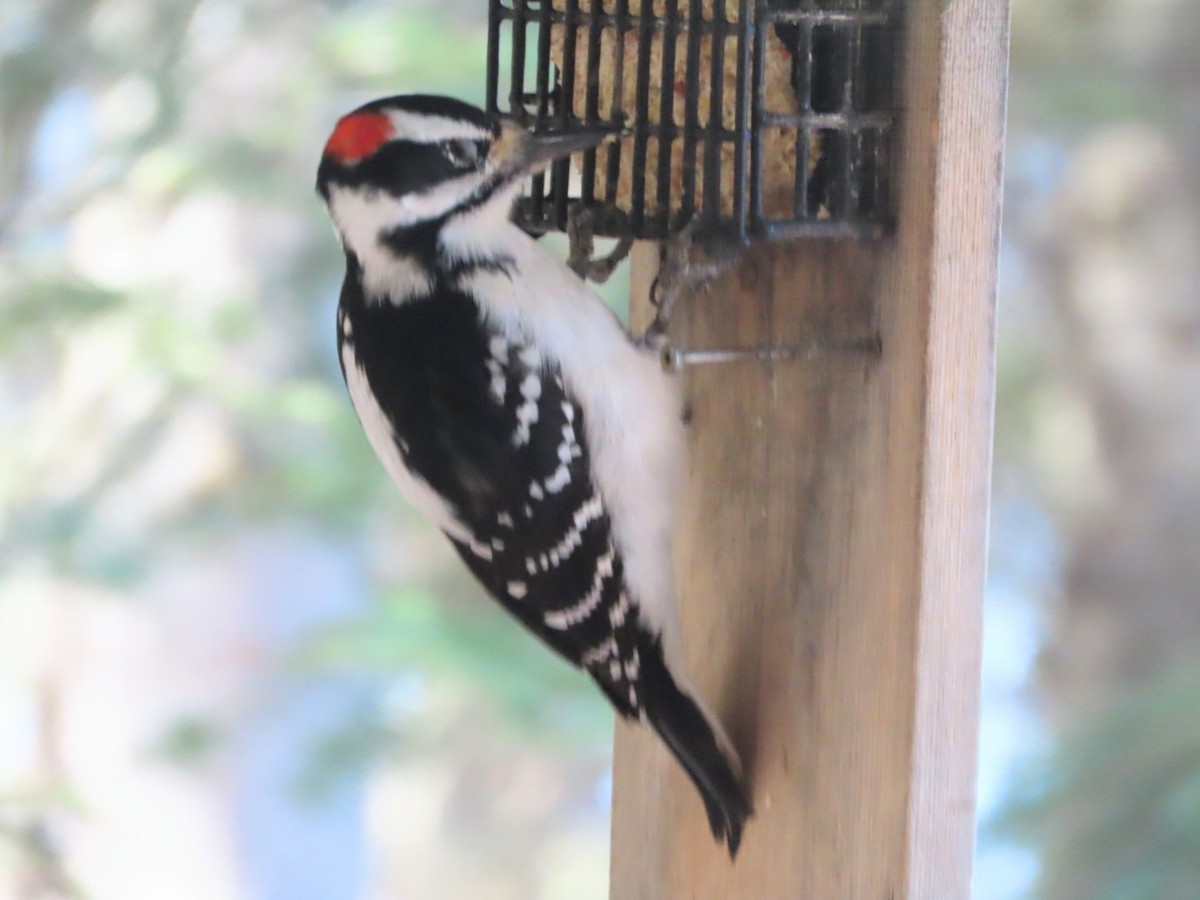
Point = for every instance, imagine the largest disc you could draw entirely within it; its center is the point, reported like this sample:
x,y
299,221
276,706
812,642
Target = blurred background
x,y
234,665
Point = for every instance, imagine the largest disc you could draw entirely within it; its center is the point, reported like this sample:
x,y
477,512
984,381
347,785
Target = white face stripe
x,y
364,215
435,202
360,217
562,619
426,129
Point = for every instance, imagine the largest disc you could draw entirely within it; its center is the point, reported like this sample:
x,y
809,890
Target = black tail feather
x,y
687,732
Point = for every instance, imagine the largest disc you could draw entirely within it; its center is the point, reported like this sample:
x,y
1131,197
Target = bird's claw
x,y
582,224
690,261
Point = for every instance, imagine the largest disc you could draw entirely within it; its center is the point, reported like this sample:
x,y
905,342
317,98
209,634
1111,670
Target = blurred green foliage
x,y
1115,808
1110,802
475,643
259,352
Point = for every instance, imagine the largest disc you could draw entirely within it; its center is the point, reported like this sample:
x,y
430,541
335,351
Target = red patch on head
x,y
358,135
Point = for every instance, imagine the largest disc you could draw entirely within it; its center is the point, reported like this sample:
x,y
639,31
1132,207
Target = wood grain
x,y
830,556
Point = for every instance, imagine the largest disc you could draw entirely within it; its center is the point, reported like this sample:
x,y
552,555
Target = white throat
x,y
485,231
364,217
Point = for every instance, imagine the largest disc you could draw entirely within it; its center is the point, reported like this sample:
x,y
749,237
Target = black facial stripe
x,y
482,196
398,167
421,238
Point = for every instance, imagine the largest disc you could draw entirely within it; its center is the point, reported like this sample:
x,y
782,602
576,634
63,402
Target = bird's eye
x,y
462,153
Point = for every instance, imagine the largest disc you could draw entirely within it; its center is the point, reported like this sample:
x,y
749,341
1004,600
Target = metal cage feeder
x,y
769,119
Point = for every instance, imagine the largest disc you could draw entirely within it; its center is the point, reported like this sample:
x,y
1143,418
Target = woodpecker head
x,y
409,162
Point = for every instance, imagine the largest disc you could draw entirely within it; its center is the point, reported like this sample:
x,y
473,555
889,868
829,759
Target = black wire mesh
x,y
775,118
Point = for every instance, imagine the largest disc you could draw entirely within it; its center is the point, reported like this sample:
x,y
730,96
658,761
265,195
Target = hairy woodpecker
x,y
512,409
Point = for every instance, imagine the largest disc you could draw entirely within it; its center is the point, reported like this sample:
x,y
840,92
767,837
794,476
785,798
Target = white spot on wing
x,y
498,348
527,412
531,387
559,480
517,589
568,449
599,653
631,666
620,609
562,619
496,380
589,511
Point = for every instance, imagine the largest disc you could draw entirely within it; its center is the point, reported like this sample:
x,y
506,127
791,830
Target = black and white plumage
x,y
511,408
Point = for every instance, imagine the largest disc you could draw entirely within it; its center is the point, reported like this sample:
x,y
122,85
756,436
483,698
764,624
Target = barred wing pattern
x,y
483,422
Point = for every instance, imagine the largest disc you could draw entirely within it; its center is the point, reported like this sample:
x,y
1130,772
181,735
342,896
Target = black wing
x,y
489,425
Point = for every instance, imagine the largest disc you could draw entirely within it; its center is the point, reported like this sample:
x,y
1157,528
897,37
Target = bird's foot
x,y
689,262
582,224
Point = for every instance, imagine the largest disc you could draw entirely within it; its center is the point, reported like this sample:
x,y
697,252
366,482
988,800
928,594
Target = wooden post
x,y
830,558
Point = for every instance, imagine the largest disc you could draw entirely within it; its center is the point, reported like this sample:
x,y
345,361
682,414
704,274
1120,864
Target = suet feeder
x,y
767,119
